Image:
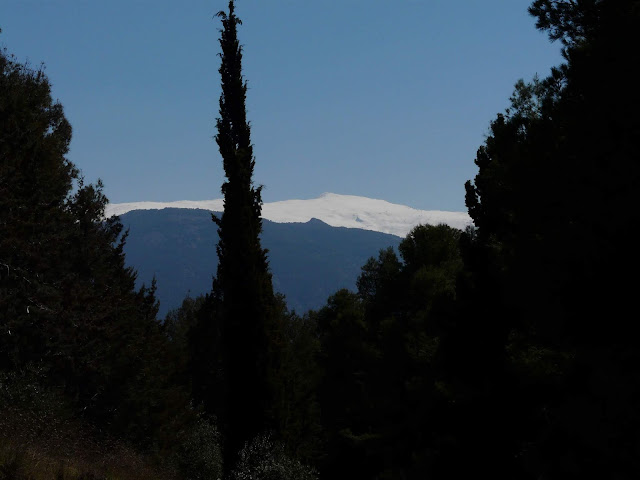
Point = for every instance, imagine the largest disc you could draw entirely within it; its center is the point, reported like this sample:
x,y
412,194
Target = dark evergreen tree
x,y
345,358
295,385
554,204
35,179
68,304
382,396
243,300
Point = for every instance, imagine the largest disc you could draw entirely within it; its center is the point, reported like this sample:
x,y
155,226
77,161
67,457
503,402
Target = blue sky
x,y
387,99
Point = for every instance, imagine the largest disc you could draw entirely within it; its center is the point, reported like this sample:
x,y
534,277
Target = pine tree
x,y
555,203
243,291
69,308
35,179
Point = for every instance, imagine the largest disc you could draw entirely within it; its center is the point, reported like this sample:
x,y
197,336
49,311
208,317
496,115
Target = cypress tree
x,y
242,290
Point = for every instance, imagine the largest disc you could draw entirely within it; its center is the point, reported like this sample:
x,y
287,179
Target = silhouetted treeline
x,y
506,350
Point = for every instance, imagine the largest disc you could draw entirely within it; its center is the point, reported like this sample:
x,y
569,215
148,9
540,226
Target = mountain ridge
x,y
309,261
335,210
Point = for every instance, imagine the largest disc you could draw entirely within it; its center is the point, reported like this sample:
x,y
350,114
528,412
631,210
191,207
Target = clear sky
x,y
387,99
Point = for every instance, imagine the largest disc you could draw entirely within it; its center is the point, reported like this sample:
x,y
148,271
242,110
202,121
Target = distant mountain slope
x,y
336,210
309,261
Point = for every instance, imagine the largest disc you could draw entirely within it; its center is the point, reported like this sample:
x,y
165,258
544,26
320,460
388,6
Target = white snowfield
x,y
336,210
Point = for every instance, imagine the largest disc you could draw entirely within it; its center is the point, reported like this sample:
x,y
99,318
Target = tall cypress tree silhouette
x,y
242,289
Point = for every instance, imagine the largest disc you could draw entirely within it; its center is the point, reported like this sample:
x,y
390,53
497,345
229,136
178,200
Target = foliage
x,y
265,459
294,382
69,309
199,452
41,437
554,205
295,388
380,349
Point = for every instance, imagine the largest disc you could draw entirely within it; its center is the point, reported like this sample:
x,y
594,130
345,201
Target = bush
x,y
264,459
199,456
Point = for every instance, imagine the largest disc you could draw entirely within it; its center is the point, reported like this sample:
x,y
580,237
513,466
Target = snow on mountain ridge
x,y
336,210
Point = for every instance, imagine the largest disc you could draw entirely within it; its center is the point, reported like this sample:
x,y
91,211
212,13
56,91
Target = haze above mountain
x,y
333,209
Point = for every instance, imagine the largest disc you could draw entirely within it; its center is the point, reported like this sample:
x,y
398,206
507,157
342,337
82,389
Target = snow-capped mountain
x,y
336,210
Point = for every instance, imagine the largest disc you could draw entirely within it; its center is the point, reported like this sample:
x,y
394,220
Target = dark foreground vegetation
x,y
507,350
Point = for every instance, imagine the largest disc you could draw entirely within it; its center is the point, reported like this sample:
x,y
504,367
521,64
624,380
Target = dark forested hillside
x,y
309,260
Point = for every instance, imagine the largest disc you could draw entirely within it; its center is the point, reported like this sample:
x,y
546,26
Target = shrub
x,y
265,459
199,456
